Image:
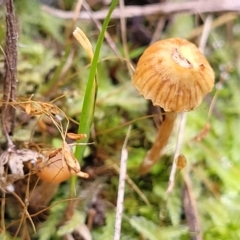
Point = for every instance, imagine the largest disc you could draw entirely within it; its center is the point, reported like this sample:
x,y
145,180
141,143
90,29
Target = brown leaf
x,y
28,108
15,159
70,159
76,136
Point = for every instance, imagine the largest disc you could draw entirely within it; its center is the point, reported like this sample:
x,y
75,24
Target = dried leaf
x,y
84,41
15,159
4,157
70,159
49,108
72,162
28,108
76,136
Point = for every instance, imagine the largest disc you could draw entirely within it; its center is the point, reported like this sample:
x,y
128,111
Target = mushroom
x,y
175,76
56,170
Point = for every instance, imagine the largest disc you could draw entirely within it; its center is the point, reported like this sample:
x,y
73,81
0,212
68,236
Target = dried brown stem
x,y
161,141
10,78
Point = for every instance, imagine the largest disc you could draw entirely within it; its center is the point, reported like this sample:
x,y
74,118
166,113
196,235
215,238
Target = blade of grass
x,y
87,114
86,117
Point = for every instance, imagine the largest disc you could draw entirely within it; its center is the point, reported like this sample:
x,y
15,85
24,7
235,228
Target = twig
x,y
190,208
3,205
167,8
25,211
76,13
10,78
121,187
177,152
158,30
208,23
206,30
98,24
219,21
133,185
124,36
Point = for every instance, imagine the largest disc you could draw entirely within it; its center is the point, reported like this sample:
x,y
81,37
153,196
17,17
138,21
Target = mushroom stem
x,y
161,141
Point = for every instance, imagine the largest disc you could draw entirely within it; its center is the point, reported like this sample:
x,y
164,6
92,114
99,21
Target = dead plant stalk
x,y
121,187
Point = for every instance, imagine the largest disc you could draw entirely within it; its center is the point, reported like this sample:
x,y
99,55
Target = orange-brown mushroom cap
x,y
174,74
55,170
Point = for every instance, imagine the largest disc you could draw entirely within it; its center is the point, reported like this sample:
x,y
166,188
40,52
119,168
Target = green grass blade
x,y
87,114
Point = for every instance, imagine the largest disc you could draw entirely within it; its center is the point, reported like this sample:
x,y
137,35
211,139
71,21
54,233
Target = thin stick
x,y
177,152
166,8
221,20
76,13
121,187
25,212
3,205
206,30
124,35
190,208
107,36
158,30
133,185
10,77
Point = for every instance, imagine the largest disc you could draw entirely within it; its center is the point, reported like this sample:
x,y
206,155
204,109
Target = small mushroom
x,y
175,76
56,169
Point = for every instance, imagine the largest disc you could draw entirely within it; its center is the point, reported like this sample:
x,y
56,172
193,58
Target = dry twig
x,y
10,78
190,209
177,152
99,26
167,8
121,187
124,36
